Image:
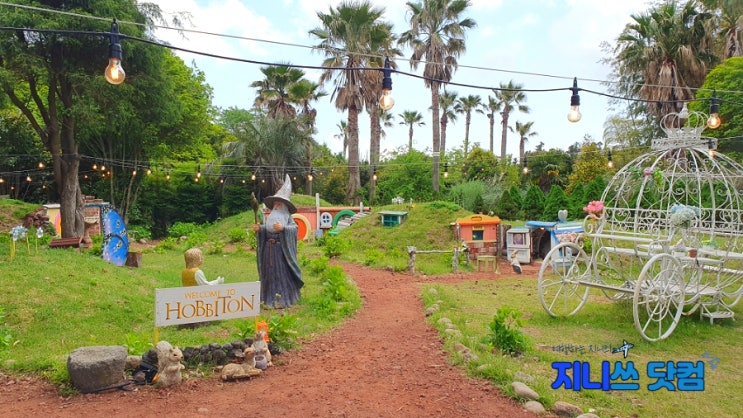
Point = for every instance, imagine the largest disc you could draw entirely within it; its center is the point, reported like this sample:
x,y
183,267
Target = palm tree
x,y
386,120
447,100
273,91
669,50
342,134
465,105
303,93
524,131
509,97
278,143
729,16
490,108
347,36
410,118
436,35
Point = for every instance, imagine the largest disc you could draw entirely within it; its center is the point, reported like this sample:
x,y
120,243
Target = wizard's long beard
x,y
277,215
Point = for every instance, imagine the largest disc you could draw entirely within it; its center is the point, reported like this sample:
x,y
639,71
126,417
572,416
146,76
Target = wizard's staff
x,y
254,205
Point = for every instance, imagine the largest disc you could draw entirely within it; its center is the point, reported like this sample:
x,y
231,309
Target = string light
x,y
610,163
526,167
446,170
713,122
574,114
386,102
114,72
374,174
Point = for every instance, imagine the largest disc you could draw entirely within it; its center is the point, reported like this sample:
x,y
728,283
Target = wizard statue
x,y
278,270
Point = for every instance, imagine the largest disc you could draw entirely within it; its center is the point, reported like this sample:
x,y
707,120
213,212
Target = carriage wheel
x,y
659,297
559,290
613,274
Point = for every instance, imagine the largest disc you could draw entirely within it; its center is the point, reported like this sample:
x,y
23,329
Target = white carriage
x,y
668,238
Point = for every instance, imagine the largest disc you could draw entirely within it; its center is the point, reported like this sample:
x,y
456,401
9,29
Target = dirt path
x,y
384,362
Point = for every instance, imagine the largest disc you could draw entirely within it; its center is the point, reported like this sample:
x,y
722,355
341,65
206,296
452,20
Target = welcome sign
x,y
187,305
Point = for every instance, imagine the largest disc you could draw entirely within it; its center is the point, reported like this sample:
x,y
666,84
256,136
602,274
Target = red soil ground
x,y
385,362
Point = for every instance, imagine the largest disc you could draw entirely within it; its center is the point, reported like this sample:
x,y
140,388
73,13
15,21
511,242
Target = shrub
x,y
334,246
505,334
182,229
237,235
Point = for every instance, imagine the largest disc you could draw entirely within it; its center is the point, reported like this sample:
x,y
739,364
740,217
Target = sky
x,y
540,44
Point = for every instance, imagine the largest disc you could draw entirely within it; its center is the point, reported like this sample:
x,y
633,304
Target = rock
x,y
444,320
523,391
565,409
132,362
587,415
96,368
534,407
523,377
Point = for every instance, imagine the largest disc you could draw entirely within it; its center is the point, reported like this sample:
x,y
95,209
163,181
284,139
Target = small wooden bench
x,y
72,242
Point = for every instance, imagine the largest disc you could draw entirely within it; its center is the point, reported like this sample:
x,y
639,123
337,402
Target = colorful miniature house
x,y
519,239
479,233
392,218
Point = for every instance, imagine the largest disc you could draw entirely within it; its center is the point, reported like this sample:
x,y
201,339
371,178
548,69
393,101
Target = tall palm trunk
x,y
504,132
354,180
376,135
436,134
491,122
467,120
444,122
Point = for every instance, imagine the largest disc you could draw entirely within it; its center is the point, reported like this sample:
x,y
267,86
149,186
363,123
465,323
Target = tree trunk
x,y
354,178
375,138
491,122
410,137
444,122
522,144
436,134
467,121
504,132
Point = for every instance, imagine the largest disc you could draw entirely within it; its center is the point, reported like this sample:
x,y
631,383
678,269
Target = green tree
x,y
480,165
405,174
274,147
555,201
436,36
273,91
724,79
465,106
533,206
350,33
577,201
506,208
447,99
510,98
590,164
524,131
594,190
490,109
663,54
49,76
411,118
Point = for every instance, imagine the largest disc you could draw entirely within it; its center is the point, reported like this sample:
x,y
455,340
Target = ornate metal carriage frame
x,y
642,247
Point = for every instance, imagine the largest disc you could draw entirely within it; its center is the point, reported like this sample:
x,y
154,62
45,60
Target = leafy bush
x,y
215,247
281,330
371,257
138,344
333,246
505,333
182,229
6,338
237,235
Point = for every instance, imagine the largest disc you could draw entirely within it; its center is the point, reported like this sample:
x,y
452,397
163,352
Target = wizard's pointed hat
x,y
282,195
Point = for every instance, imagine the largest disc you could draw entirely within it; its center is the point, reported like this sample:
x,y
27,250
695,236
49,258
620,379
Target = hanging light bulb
x,y
167,175
386,101
574,114
2,180
252,177
684,114
28,179
714,121
446,170
114,72
221,180
198,172
610,163
310,177
134,172
711,149
374,174
243,181
149,171
41,164
103,167
526,167
95,166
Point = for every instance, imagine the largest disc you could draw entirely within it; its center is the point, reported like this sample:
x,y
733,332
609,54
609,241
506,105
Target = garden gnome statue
x,y
278,269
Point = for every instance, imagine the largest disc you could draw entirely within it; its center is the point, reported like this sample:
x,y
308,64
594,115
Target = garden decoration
x,y
665,235
39,235
16,233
